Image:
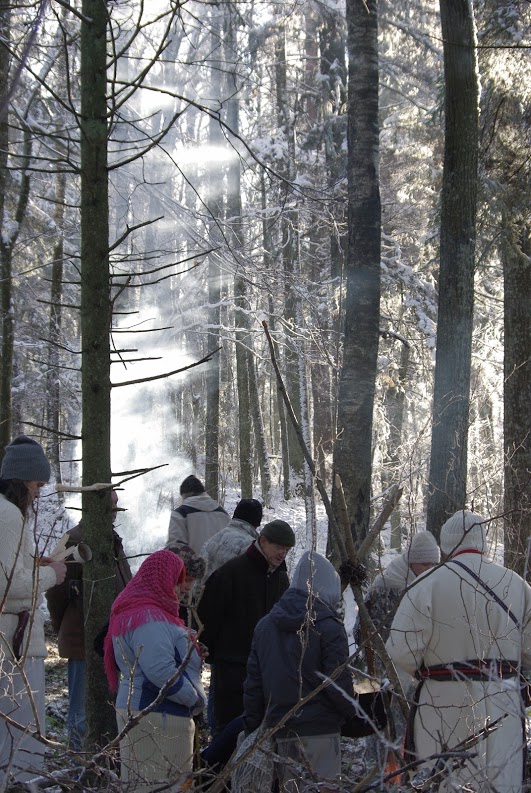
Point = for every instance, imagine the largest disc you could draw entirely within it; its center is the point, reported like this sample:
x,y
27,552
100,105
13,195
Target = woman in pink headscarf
x,y
148,645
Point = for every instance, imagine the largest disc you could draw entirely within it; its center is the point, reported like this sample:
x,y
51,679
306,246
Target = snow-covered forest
x,y
192,194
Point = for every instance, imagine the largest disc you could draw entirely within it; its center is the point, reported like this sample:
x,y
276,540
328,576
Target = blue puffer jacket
x,y
148,656
298,642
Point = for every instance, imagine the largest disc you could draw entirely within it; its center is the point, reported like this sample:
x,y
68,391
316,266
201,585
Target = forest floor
x,y
57,710
354,766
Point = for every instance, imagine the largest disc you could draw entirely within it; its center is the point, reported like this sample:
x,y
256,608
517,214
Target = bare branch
x,y
207,358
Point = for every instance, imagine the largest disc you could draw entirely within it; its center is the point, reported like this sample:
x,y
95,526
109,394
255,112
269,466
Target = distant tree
x,y
448,463
215,207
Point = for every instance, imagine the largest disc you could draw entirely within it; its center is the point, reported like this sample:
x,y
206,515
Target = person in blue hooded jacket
x,y
299,644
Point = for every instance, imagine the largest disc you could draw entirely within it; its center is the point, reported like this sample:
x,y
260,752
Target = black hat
x,y
279,532
249,509
191,486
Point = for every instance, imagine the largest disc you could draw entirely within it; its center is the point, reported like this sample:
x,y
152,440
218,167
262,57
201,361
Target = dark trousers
x,y
229,677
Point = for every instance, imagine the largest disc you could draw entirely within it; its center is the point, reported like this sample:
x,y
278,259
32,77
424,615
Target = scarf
x,y
149,597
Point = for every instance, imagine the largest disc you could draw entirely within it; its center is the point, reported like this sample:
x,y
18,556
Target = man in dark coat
x,y
237,595
65,604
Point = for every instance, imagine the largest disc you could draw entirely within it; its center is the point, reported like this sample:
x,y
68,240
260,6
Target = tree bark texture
x,y
234,214
215,208
353,449
6,317
451,399
291,264
99,587
53,406
516,255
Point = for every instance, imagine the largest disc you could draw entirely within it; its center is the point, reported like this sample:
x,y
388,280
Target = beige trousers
x,y
158,749
22,754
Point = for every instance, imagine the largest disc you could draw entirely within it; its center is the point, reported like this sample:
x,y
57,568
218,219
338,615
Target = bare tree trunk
x,y
98,575
278,405
516,255
353,449
234,214
394,402
53,403
6,315
291,264
451,398
215,208
259,433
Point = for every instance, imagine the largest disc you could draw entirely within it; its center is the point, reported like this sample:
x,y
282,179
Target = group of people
x,y
278,651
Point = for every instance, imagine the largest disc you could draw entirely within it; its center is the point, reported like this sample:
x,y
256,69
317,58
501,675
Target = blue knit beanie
x,y
24,459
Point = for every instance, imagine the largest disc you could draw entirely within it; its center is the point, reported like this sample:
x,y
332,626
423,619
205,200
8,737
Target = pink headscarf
x,y
149,597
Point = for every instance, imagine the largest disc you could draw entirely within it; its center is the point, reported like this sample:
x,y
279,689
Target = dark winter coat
x,y
236,596
65,601
294,646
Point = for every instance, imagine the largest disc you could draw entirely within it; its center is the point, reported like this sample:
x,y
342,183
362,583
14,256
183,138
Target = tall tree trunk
x,y
353,449
259,432
394,402
215,208
291,263
6,314
53,402
99,588
516,256
277,412
9,231
451,398
234,215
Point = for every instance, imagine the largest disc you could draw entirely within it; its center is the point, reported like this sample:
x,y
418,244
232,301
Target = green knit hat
x,y
279,532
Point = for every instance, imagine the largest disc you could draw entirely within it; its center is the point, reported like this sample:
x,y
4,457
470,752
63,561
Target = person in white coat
x,y
464,630
24,577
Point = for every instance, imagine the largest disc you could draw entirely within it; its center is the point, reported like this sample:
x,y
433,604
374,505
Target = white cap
x,y
423,549
463,530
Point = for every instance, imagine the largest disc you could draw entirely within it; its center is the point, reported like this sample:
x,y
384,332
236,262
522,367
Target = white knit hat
x,y
464,529
423,549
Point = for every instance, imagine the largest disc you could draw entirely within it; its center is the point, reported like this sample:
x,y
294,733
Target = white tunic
x,y
447,617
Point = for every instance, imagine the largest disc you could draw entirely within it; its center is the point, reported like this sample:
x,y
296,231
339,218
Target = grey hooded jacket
x,y
196,521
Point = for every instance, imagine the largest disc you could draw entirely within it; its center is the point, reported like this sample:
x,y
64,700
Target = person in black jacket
x,y
299,644
236,596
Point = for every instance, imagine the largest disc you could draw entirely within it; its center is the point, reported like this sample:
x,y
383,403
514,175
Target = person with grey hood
x,y
197,519
299,644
